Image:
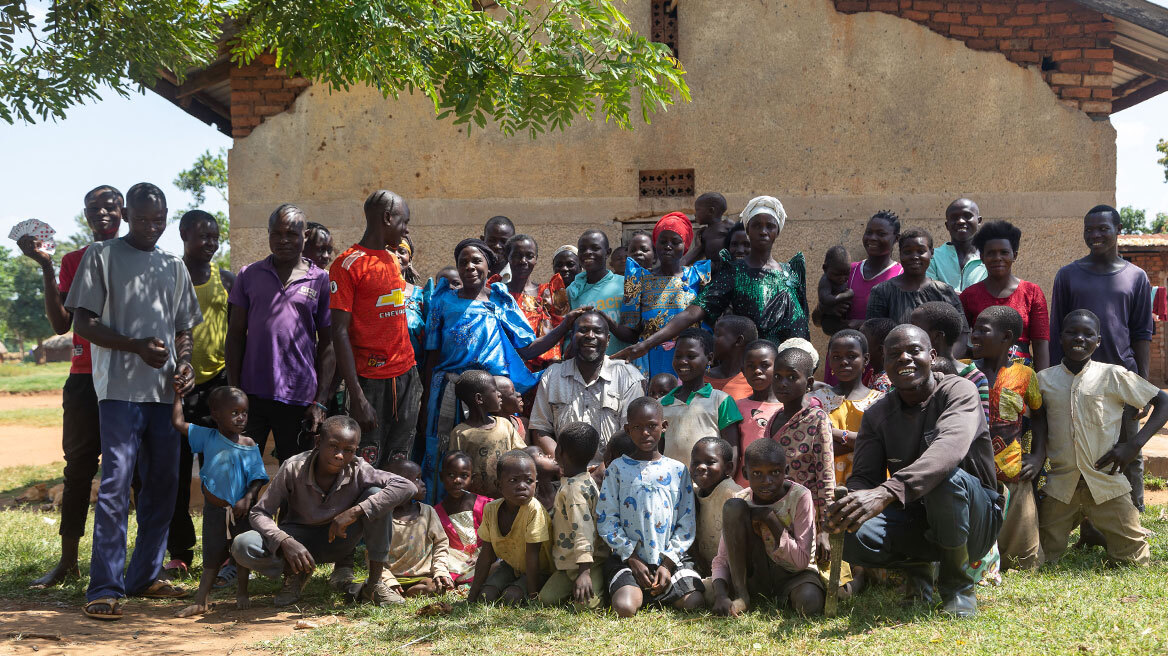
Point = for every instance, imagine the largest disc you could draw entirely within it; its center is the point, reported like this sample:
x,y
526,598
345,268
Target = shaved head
x,y
908,331
961,204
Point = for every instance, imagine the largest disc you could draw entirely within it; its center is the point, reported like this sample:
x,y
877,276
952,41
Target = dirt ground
x,y
29,445
146,629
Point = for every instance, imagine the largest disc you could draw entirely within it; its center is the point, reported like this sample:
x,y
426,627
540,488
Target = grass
x,y
1154,483
24,378
38,417
1080,606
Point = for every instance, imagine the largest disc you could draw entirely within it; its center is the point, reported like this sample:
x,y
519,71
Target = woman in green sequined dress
x,y
771,294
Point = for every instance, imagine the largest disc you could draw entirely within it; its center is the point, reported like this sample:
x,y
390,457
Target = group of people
x,y
649,426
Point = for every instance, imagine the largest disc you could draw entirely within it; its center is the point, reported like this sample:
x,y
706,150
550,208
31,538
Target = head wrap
x,y
566,248
764,205
406,243
482,248
800,343
675,222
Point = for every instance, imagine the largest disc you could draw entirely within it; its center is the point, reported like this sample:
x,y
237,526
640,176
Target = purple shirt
x,y
1122,301
279,357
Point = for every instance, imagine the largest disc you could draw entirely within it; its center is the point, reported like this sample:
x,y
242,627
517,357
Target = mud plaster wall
x,y
837,115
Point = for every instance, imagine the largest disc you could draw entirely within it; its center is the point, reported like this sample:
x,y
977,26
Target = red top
x,y
1027,299
81,363
368,284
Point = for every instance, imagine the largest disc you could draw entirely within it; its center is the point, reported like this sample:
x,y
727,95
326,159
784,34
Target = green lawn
x,y
22,377
39,417
1081,606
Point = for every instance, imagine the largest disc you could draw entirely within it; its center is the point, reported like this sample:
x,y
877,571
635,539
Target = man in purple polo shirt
x,y
279,339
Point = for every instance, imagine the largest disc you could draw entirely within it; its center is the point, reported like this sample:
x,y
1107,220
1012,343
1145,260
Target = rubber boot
x,y
957,585
918,583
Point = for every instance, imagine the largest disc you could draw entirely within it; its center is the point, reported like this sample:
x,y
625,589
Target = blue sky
x,y
120,141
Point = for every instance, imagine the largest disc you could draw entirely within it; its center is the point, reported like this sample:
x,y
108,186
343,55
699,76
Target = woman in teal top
x,y
596,286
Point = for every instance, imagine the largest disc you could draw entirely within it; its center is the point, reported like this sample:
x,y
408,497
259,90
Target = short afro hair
x,y
1004,318
740,326
940,316
877,329
578,442
403,466
797,359
193,217
1085,314
889,217
340,423
452,457
105,189
145,192
915,233
998,230
295,214
713,199
509,245
762,345
620,444
853,335
768,451
1108,211
512,458
703,338
471,382
720,446
221,394
498,220
646,402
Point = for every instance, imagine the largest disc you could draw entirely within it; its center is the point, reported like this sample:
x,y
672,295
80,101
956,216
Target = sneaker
x,y
341,578
290,593
380,594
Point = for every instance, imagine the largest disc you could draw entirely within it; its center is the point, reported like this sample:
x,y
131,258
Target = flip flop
x,y
112,603
226,577
161,589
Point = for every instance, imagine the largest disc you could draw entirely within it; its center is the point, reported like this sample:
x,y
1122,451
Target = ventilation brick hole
x,y
664,23
672,183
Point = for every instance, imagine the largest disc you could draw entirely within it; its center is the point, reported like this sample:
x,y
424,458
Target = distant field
x,y
39,417
20,377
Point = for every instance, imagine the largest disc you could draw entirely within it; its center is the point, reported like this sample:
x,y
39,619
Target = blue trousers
x,y
133,435
958,511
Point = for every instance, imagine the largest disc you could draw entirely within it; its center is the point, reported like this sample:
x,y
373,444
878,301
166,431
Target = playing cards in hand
x,y
39,230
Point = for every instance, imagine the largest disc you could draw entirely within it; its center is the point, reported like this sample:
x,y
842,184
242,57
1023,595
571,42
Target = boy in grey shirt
x,y
136,305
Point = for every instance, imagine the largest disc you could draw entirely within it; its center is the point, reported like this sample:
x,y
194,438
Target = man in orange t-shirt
x,y
371,333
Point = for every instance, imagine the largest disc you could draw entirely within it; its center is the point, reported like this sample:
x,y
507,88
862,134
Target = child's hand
x,y
640,572
1031,466
722,606
661,582
242,506
444,583
823,547
184,378
758,520
582,592
342,521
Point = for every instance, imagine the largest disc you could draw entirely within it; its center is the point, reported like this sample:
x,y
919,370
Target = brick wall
x,y
1070,44
1154,262
260,90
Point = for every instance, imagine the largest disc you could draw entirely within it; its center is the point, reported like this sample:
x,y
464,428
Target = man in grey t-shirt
x,y
136,305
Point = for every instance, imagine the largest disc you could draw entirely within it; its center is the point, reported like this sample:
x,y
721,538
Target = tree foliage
x,y
22,299
209,173
525,65
1135,222
1162,148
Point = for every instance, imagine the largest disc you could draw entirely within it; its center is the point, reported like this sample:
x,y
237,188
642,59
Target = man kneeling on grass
x,y
330,500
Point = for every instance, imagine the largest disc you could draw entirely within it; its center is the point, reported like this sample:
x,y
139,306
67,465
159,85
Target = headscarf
x,y
405,242
482,248
801,344
764,205
675,222
566,248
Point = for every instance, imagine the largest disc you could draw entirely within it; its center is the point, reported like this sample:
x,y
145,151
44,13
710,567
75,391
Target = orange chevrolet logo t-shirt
x,y
369,286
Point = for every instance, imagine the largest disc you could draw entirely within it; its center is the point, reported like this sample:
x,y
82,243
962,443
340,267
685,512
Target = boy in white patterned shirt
x,y
578,553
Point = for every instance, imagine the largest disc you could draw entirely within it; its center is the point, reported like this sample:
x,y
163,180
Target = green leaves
x,y
522,65
1162,147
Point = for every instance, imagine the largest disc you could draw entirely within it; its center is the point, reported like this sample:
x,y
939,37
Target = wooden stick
x,y
831,604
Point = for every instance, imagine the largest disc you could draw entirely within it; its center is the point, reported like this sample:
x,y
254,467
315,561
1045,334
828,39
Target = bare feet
x,y
242,602
193,609
59,574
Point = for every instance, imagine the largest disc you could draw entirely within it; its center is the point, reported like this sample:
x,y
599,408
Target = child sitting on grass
x,y
875,330
1086,480
460,513
710,465
833,291
662,384
1016,414
578,553
482,435
694,409
417,552
515,530
731,335
511,405
646,515
768,540
547,476
759,409
803,429
232,475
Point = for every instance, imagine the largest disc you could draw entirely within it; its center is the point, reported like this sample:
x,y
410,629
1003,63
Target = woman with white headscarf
x,y
771,294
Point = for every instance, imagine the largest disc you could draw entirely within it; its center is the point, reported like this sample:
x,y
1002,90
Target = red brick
x,y
1062,55
1051,19
976,19
1097,107
991,8
1101,94
964,30
1066,92
297,83
1079,42
1014,44
1047,44
1019,21
239,97
883,5
1102,67
913,15
1074,67
1024,57
1069,79
268,83
272,110
1066,30
1106,26
942,17
981,44
268,59
997,32
928,5
1030,8
242,109
961,7
246,122
273,97
1099,53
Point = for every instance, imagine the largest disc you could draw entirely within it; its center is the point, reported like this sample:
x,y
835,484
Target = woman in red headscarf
x,y
653,297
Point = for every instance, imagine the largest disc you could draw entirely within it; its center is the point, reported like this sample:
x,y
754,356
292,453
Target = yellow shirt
x,y
485,445
530,527
1084,414
210,337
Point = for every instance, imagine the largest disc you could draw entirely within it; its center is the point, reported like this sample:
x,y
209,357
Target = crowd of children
x,y
701,474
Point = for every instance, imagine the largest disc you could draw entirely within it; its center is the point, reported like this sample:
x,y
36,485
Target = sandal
x,y
161,589
113,604
175,569
226,577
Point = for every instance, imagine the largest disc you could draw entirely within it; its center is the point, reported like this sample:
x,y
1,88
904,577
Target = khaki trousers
x,y
1117,519
1018,541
